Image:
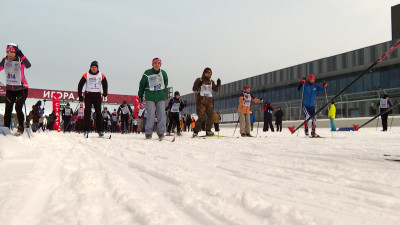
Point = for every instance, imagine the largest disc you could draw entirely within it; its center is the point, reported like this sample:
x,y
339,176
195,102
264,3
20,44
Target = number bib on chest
x,y
105,115
93,82
125,110
67,112
248,99
13,72
206,90
175,107
156,82
81,111
384,103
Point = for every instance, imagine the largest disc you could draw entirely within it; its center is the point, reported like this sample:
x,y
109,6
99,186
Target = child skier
x,y
175,106
244,110
268,109
123,112
332,115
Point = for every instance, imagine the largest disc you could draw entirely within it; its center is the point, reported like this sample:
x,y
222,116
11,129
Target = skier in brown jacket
x,y
203,87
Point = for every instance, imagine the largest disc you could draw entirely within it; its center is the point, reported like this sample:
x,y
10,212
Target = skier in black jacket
x,y
384,104
175,106
268,109
278,119
123,112
94,81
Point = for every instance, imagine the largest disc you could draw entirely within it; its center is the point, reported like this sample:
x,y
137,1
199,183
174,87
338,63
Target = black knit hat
x,y
176,93
94,63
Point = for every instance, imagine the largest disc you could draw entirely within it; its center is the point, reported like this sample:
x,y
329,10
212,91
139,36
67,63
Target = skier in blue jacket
x,y
310,91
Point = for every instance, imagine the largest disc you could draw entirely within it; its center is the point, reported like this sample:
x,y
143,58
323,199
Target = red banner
x,y
56,108
73,96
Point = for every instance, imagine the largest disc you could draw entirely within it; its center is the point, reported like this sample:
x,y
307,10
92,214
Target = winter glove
x,y
324,84
19,53
80,98
219,82
303,80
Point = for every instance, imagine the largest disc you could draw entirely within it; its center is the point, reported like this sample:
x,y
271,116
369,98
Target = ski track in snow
x,y
60,179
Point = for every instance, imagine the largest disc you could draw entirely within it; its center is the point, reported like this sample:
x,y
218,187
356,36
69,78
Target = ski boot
x,y
179,134
209,133
249,135
306,131
20,131
160,136
243,135
101,134
195,134
148,136
314,135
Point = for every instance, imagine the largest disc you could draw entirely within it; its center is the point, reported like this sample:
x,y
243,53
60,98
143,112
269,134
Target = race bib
x,y
175,107
125,110
384,103
246,99
67,112
156,82
13,72
93,82
114,118
206,90
105,115
81,111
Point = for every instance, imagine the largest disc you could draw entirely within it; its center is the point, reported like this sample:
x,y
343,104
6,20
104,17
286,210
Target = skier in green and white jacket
x,y
153,86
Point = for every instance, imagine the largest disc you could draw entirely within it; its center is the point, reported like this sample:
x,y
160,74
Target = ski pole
x,y
292,129
219,108
376,128
258,122
301,104
235,127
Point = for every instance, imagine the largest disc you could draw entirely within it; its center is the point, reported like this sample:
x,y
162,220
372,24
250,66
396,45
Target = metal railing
x,y
361,104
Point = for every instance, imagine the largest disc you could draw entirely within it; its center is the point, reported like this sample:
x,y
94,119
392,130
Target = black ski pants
x,y
17,97
124,123
384,118
96,103
174,119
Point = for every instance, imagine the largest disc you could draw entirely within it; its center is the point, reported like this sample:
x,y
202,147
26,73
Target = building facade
x,y
280,87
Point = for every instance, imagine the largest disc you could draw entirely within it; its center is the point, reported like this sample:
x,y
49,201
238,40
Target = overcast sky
x,y
236,38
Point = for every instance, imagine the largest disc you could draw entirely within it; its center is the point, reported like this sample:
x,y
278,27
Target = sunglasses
x,y
208,72
10,51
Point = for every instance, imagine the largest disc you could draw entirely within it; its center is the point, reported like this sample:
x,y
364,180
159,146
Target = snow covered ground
x,y
65,179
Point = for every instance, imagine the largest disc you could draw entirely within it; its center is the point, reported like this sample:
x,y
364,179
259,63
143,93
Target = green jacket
x,y
152,95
